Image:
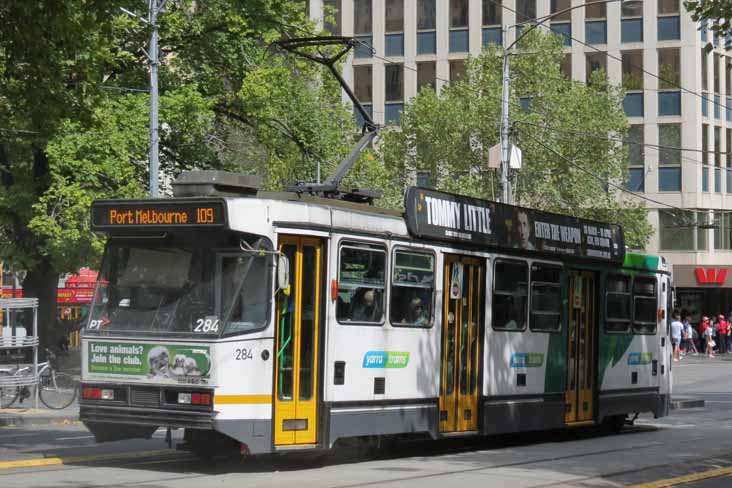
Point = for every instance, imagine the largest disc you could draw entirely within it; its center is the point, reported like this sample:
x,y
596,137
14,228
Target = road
x,y
691,448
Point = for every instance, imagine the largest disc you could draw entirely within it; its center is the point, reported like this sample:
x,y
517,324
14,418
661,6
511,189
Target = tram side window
x,y
617,299
361,284
510,293
412,289
546,301
644,306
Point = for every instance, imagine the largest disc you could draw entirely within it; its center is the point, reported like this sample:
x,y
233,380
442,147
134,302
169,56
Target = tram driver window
x,y
412,288
249,308
617,300
644,306
546,302
510,292
361,284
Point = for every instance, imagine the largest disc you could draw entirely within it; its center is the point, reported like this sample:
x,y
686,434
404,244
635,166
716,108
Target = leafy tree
x,y
564,132
73,114
720,11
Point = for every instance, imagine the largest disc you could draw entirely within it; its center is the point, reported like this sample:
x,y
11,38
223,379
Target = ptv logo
x,y
710,276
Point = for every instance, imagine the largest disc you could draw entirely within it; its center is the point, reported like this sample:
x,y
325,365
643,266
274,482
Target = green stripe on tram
x,y
643,261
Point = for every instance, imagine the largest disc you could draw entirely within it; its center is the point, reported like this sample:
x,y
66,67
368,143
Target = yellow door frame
x,y
295,419
459,409
581,350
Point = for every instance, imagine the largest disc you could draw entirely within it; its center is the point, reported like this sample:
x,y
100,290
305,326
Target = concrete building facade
x,y
677,74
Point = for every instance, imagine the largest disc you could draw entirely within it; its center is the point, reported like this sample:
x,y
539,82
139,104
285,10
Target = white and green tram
x,y
286,321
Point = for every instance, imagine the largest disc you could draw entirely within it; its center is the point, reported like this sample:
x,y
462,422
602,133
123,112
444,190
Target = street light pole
x,y
506,195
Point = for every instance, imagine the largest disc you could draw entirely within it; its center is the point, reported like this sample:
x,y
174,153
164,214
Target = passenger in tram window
x,y
365,307
417,314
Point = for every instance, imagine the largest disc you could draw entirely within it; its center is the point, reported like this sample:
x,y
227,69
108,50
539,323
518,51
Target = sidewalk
x,y
17,417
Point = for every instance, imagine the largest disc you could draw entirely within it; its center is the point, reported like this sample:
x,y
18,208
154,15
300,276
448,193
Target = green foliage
x,y
719,11
447,136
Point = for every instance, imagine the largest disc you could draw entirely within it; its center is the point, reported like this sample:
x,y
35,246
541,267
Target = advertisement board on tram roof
x,y
432,214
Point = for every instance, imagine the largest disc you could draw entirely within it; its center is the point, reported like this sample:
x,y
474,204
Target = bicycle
x,y
57,390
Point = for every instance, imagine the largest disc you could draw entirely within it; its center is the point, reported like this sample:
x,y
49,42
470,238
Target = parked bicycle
x,y
57,390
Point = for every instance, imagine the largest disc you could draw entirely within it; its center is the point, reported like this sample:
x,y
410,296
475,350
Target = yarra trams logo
x,y
711,276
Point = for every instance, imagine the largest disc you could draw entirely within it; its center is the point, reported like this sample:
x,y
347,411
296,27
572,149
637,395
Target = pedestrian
x,y
676,330
729,333
703,326
722,334
689,336
709,337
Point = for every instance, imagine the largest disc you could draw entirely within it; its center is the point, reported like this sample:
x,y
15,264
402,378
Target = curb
x,y
28,420
687,403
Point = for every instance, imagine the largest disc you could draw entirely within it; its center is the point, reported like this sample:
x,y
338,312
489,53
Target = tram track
x,y
188,463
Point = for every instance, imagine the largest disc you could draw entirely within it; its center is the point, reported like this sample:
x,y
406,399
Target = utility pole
x,y
505,145
154,7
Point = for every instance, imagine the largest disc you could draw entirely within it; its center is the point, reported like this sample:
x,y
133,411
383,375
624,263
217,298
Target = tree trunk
x,y
41,282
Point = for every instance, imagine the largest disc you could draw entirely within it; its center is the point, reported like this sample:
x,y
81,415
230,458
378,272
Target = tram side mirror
x,y
283,274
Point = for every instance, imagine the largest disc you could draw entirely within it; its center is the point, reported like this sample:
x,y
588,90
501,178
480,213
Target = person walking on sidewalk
x,y
729,333
676,330
722,334
703,325
709,337
688,337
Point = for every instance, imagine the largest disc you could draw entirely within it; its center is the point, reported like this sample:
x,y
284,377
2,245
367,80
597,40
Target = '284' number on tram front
x,y
207,325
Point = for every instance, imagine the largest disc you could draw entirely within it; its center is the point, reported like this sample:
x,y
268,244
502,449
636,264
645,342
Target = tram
x,y
281,321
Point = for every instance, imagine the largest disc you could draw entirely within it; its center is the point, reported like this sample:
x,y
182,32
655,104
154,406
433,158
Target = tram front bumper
x,y
150,406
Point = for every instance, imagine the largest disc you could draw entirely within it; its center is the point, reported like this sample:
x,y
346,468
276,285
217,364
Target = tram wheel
x,y
613,424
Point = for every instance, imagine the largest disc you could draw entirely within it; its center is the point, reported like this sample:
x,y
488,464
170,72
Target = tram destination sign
x,y
141,214
447,217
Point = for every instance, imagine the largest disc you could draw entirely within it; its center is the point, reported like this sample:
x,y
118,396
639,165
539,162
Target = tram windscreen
x,y
188,287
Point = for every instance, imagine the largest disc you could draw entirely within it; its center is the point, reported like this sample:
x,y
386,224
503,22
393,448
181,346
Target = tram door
x,y
296,352
461,325
581,336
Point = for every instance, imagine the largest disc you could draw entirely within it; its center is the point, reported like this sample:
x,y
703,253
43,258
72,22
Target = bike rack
x,y
10,310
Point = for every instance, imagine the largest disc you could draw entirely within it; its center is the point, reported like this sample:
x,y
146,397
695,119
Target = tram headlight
x,y
184,398
107,395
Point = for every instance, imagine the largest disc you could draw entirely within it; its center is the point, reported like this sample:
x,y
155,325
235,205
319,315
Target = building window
x,y
631,23
723,231
362,83
412,289
669,157
426,75
716,61
566,66
394,84
510,290
362,28
363,89
332,16
636,158
361,283
596,32
717,159
595,61
394,38
525,10
459,39
546,301
669,24
457,69
492,20
561,24
632,70
669,96
680,231
705,104
426,34
633,104
705,157
704,70
728,137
